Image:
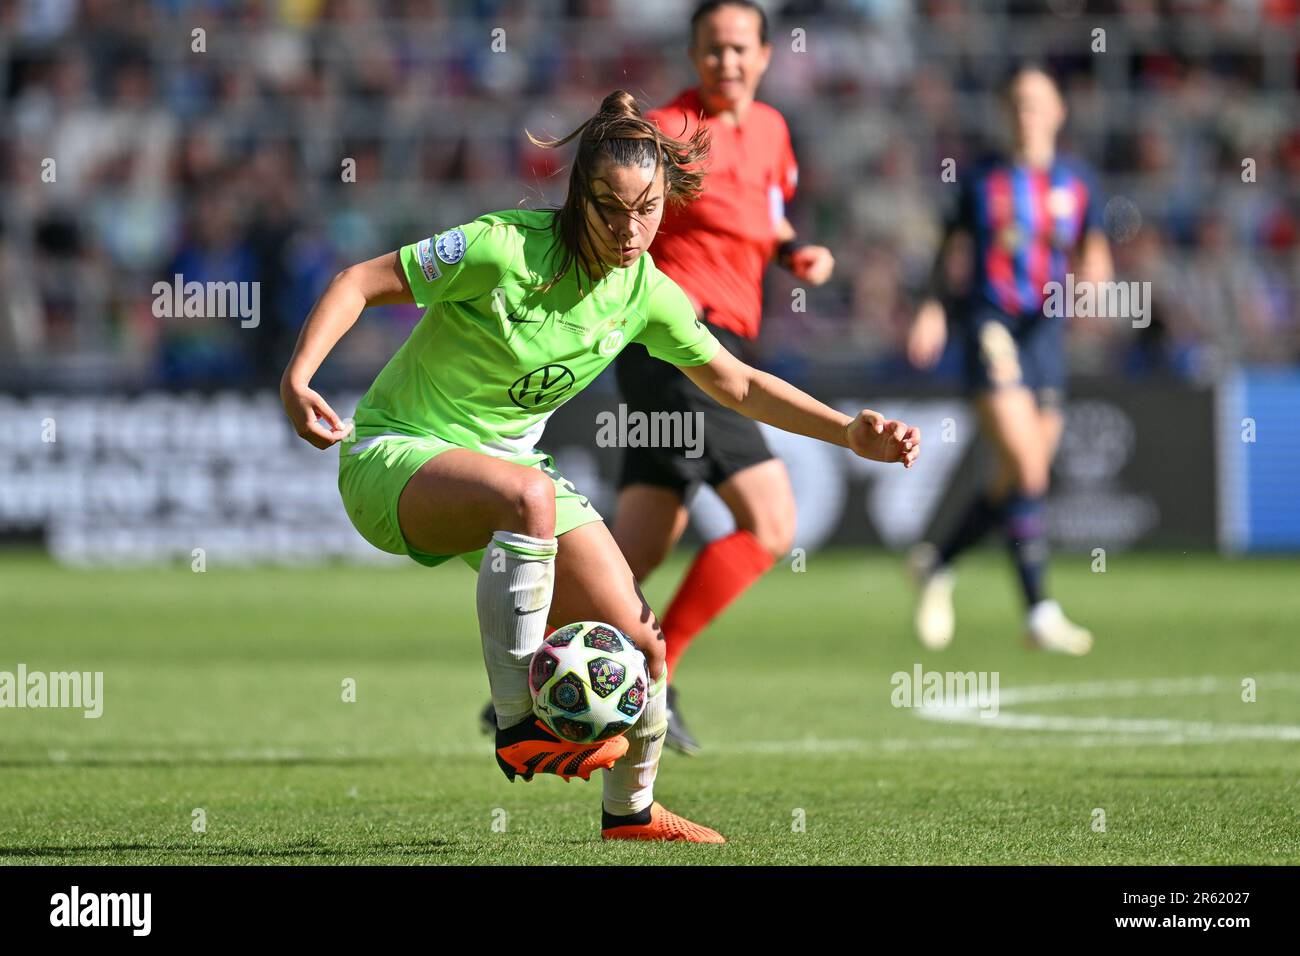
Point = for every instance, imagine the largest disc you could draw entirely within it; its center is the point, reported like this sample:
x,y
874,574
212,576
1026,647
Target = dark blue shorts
x,y
1002,351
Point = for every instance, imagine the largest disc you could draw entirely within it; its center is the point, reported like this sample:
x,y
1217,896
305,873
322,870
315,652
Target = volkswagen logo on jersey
x,y
541,386
450,246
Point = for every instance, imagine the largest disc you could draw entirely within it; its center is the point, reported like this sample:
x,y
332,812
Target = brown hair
x,y
618,132
710,7
1019,69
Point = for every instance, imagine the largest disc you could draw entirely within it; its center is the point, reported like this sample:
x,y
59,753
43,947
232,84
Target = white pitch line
x,y
1149,687
1168,731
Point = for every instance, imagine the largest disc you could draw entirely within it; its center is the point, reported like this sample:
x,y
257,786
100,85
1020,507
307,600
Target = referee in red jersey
x,y
716,249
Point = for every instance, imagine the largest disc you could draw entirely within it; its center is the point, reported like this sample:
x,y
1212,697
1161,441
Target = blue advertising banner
x,y
1259,461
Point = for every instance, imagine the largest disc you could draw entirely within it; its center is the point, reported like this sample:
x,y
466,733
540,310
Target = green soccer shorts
x,y
373,472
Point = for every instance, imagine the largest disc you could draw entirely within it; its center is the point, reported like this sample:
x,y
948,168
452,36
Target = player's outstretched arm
x,y
766,398
378,281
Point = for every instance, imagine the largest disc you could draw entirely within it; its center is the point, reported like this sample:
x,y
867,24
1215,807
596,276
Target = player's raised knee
x,y
532,504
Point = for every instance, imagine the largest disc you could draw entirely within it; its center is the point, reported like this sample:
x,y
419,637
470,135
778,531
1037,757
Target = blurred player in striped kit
x,y
1032,217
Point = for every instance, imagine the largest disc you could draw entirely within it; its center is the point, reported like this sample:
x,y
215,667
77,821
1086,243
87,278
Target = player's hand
x,y
928,335
812,264
877,438
306,409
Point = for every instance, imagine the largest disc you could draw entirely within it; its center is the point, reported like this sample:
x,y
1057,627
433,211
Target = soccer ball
x,y
589,682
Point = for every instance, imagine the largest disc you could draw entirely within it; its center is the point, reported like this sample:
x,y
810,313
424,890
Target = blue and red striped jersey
x,y
1026,223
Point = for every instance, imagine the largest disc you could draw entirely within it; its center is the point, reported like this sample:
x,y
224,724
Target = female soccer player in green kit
x,y
524,308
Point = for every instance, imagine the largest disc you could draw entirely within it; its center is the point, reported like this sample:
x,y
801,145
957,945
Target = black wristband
x,y
788,248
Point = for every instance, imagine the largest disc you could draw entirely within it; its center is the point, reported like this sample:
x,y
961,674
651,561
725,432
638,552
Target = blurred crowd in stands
x,y
279,141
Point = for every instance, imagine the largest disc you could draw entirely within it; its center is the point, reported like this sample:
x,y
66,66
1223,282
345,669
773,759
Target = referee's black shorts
x,y
731,442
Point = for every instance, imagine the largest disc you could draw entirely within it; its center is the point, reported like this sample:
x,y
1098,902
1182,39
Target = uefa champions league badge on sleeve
x,y
424,251
450,246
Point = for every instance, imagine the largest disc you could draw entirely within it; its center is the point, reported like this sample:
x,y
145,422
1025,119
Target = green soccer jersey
x,y
494,356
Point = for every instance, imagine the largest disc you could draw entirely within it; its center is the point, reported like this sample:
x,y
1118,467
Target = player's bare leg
x,y
1051,423
461,501
594,583
761,500
648,524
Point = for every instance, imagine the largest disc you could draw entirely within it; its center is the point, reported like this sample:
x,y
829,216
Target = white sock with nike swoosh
x,y
630,783
515,582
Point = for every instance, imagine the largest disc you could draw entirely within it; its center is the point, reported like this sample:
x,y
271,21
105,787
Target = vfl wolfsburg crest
x,y
611,343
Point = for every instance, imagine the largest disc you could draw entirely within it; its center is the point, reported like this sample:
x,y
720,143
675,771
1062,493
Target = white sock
x,y
630,783
517,575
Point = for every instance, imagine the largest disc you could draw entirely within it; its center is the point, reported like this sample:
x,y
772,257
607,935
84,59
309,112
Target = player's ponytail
x,y
620,103
620,133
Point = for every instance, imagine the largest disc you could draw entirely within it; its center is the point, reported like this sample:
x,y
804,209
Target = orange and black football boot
x,y
529,747
656,823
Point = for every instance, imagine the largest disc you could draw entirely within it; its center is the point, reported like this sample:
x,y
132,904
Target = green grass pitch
x,y
223,692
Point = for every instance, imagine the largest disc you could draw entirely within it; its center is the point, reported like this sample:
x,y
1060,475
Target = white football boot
x,y
934,618
1048,628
